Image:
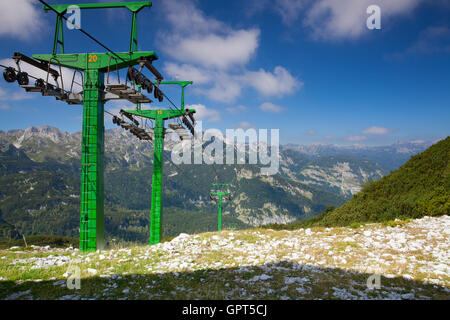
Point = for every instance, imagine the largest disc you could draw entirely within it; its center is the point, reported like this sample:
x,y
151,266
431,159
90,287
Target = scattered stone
x,y
92,271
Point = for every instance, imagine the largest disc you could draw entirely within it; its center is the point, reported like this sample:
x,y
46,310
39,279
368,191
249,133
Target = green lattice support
x,y
219,224
92,162
156,204
156,213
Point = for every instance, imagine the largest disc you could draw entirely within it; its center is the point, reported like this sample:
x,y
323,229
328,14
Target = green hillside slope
x,y
420,187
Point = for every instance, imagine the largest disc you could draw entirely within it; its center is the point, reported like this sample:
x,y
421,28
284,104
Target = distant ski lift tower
x,y
94,65
219,192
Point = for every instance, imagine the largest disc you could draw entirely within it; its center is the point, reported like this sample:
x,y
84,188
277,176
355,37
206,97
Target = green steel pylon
x,y
159,116
219,192
94,65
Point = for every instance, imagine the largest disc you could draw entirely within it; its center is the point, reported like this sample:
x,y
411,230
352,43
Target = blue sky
x,y
309,68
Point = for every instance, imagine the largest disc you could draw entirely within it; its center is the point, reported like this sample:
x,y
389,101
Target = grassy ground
x,y
318,263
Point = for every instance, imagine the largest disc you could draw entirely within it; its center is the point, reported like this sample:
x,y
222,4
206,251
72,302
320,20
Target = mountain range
x,y
40,183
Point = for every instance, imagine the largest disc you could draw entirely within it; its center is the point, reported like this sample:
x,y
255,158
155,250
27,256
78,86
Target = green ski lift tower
x,y
220,192
92,66
160,116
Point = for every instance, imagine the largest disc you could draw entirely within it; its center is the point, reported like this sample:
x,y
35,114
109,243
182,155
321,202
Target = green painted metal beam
x,y
163,113
92,163
180,83
133,6
99,61
157,183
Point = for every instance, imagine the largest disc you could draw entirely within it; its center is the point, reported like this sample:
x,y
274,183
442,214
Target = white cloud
x,y
4,107
346,19
278,83
214,55
356,138
22,19
203,113
196,38
225,89
310,132
186,71
270,107
214,50
376,131
184,17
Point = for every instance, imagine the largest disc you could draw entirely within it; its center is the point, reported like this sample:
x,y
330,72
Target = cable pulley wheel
x,y
40,83
9,74
22,78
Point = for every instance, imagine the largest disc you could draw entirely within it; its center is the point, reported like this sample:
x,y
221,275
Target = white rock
x,y
92,271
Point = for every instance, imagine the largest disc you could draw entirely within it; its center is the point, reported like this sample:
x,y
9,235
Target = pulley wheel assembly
x,y
9,74
22,78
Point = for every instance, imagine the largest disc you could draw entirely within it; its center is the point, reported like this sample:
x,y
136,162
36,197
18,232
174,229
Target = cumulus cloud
x,y
204,113
214,55
185,17
203,40
225,87
22,19
270,107
376,131
214,50
186,71
336,19
276,83
346,19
